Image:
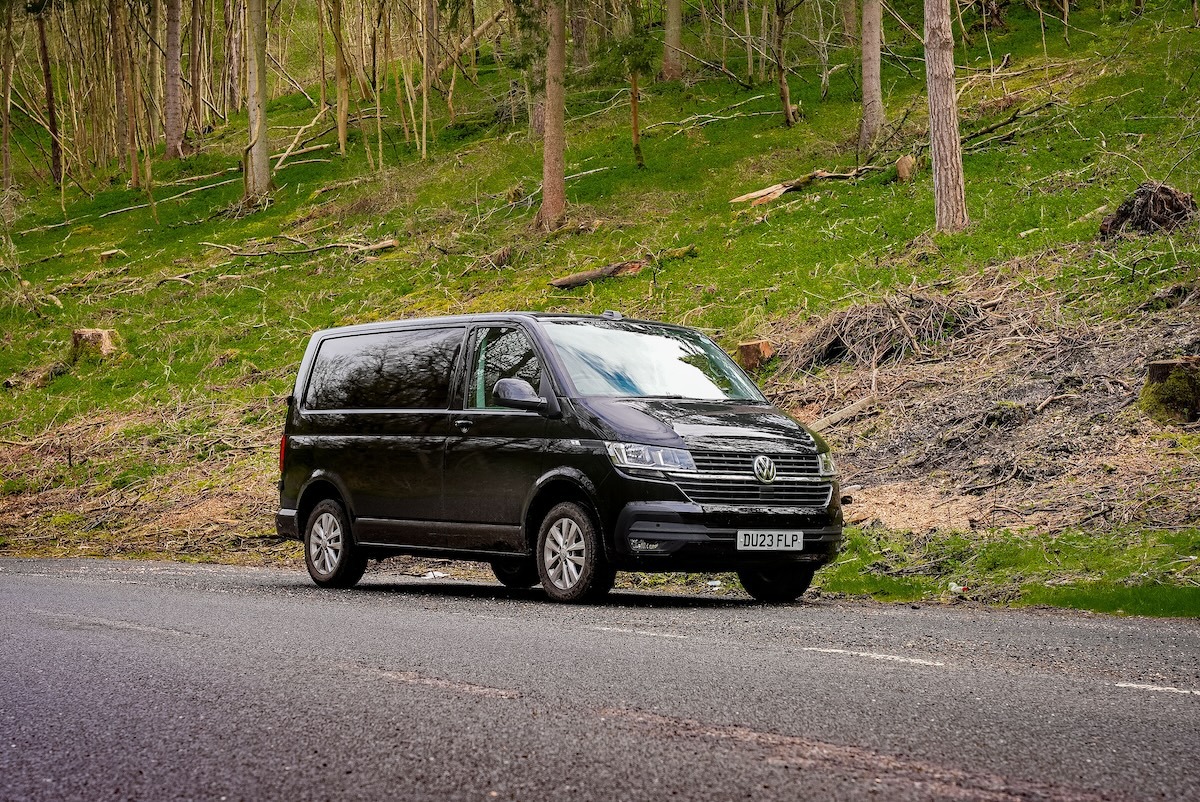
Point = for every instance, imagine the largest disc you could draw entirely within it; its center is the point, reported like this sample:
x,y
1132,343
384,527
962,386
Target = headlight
x,y
653,458
825,464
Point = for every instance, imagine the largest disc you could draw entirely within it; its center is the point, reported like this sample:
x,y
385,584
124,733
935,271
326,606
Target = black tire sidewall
x,y
352,564
516,572
776,585
596,577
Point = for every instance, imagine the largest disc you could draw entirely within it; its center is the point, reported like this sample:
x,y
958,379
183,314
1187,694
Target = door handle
x,y
464,424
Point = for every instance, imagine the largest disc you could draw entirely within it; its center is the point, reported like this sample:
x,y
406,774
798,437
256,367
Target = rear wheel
x,y
776,583
332,557
516,572
570,560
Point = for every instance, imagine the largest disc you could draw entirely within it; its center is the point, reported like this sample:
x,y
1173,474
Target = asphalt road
x,y
161,681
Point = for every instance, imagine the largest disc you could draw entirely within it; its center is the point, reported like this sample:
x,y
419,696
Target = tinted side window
x,y
389,370
500,353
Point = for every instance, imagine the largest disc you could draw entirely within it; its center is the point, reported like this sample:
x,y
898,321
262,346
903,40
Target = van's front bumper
x,y
683,536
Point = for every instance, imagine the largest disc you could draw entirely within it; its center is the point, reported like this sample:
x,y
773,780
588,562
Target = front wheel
x,y
776,584
332,557
570,561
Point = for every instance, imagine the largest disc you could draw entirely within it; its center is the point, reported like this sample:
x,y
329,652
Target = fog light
x,y
645,545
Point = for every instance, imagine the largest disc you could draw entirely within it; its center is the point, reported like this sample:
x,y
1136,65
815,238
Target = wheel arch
x,y
318,489
555,488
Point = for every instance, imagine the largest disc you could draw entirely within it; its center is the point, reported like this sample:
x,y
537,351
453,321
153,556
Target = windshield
x,y
640,360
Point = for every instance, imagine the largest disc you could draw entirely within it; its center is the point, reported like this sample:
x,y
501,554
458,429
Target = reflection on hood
x,y
700,425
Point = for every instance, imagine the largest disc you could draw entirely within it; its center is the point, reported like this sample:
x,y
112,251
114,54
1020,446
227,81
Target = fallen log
x,y
628,268
829,421
768,194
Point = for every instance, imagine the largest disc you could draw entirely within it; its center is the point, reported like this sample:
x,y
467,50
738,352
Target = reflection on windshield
x,y
620,358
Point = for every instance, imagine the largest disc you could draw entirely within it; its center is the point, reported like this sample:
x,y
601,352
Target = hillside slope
x,y
1015,427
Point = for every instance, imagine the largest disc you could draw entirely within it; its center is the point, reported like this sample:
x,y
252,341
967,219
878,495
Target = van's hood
x,y
699,425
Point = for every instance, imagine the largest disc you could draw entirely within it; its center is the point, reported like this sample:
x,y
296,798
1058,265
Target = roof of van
x,y
482,317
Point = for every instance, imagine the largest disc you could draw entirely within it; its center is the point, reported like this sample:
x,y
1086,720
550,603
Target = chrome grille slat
x,y
727,478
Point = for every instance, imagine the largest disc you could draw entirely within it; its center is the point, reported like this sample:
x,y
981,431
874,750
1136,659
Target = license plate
x,y
769,540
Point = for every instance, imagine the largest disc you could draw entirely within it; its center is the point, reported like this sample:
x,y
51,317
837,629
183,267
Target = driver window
x,y
500,353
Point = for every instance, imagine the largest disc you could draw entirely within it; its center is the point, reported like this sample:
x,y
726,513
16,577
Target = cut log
x,y
630,268
906,168
829,421
768,194
1172,390
100,342
110,253
753,354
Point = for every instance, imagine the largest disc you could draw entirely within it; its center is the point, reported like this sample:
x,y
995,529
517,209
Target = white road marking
x,y
1159,688
895,658
642,632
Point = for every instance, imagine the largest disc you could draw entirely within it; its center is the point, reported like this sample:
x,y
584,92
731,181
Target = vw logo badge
x,y
764,469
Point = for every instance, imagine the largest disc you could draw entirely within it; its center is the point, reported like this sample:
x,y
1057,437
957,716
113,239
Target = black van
x,y
561,448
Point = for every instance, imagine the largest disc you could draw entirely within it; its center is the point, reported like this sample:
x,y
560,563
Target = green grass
x,y
202,329
1133,572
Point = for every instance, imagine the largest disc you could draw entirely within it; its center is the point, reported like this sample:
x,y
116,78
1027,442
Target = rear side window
x,y
388,370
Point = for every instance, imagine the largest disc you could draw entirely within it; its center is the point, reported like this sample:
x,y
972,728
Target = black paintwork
x,y
471,483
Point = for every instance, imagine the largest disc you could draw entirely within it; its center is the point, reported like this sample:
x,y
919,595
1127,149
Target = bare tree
x,y
40,11
8,57
554,191
342,73
672,64
949,194
872,86
783,14
848,11
257,166
172,98
195,71
579,34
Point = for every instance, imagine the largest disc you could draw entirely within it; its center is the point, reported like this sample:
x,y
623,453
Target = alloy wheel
x,y
565,553
325,545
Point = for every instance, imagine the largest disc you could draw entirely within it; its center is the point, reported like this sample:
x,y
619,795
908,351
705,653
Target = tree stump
x,y
92,341
1172,390
906,168
1153,207
753,354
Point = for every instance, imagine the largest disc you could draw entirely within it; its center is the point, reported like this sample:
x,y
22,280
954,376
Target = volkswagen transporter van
x,y
559,448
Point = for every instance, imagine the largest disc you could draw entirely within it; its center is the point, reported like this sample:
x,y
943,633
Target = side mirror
x,y
518,394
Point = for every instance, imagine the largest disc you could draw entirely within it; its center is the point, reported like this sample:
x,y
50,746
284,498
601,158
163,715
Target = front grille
x,y
750,492
734,463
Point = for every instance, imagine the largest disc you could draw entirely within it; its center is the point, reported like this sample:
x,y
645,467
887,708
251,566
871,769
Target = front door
x,y
493,454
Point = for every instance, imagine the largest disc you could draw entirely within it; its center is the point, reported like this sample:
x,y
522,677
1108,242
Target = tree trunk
x,y
341,72
258,153
579,30
194,67
778,50
173,111
554,191
154,71
848,11
872,86
749,42
6,100
948,191
672,65
116,30
51,113
635,125
233,55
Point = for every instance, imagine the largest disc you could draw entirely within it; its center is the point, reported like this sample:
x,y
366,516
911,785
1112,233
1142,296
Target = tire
x,y
570,558
776,584
516,572
332,557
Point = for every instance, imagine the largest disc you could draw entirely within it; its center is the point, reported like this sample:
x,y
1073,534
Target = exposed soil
x,y
998,406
